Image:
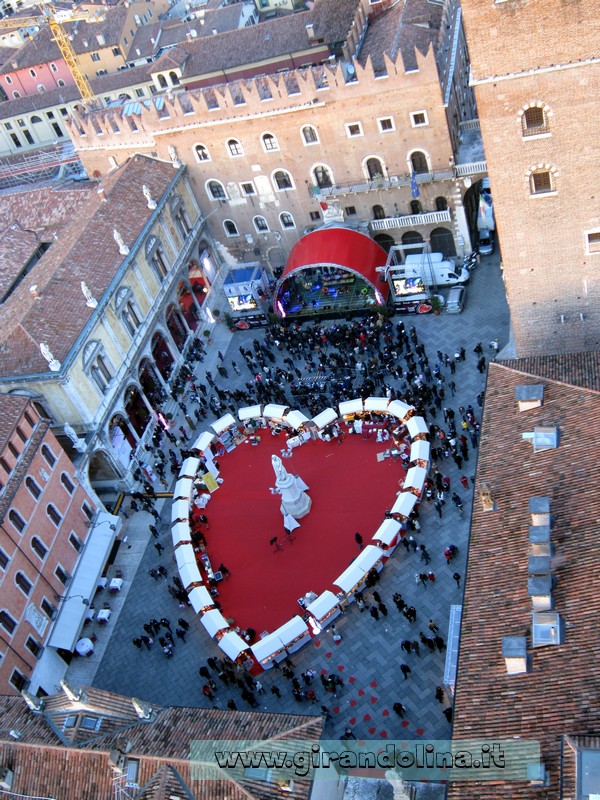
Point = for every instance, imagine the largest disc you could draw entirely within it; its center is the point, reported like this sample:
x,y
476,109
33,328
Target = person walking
x,y
137,642
275,691
383,609
439,694
399,709
183,624
406,670
398,601
159,548
374,612
456,577
438,507
432,625
359,540
147,640
231,704
166,624
180,633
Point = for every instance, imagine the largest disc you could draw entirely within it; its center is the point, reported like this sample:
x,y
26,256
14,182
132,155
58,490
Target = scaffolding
x,y
43,164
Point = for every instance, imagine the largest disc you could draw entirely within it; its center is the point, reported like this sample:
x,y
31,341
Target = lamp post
x,y
84,600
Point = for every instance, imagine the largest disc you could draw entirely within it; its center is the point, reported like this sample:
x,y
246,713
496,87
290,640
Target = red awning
x,y
342,248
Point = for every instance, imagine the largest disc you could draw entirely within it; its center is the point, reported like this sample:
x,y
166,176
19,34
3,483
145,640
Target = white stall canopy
x,y
415,478
387,531
325,418
180,510
419,450
404,504
291,630
351,407
180,532
185,555
369,557
274,411
232,645
214,621
189,573
295,419
349,578
324,603
203,441
399,409
223,423
183,488
200,599
250,412
189,468
416,425
267,647
376,404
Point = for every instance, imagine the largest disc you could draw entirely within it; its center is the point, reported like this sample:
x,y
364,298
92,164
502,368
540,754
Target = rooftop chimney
x,y
539,508
310,31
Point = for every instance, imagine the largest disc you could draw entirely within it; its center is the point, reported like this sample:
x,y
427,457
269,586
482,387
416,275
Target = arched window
x,y
441,240
283,180
416,207
374,168
287,221
53,514
33,487
130,317
17,520
534,120
95,364
216,190
16,95
230,228
67,483
35,119
201,152
38,547
269,142
49,456
441,204
174,78
378,212
60,82
235,148
162,81
309,134
41,88
418,161
322,176
23,583
261,224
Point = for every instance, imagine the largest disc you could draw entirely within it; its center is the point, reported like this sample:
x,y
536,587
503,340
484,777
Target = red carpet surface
x,y
350,491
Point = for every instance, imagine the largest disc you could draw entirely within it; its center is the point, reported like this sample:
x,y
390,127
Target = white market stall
x,y
189,574
400,410
417,427
349,407
350,580
250,412
180,532
180,510
369,557
324,609
377,404
325,418
419,452
204,441
387,536
415,480
233,645
293,634
214,622
183,488
201,599
275,412
296,419
268,649
189,468
184,554
223,423
405,502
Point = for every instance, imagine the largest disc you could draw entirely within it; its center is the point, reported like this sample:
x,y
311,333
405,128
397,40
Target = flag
x,y
414,186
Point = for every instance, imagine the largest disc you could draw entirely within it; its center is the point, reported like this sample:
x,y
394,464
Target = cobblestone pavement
x,y
369,656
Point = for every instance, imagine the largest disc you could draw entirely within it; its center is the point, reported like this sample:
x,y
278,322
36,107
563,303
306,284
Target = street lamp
x,y
84,600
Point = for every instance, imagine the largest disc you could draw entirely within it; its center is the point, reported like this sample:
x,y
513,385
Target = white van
x,y
441,273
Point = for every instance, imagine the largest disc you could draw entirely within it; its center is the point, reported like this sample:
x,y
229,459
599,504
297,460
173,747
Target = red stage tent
x,y
342,248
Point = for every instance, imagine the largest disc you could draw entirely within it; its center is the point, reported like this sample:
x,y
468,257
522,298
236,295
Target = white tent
x,y
405,502
223,423
200,599
369,557
203,441
399,409
325,418
415,478
214,621
376,404
295,419
323,606
250,412
350,578
184,554
416,425
351,407
419,450
189,468
189,573
183,488
274,411
293,633
232,645
180,532
387,532
180,510
267,648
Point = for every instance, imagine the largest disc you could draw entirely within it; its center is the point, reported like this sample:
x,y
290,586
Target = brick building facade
x,y
536,80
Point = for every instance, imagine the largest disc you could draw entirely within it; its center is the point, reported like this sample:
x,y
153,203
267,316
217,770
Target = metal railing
x,y
393,182
410,220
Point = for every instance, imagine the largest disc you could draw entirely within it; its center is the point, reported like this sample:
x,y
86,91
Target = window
x,y
541,181
67,483
48,609
16,96
353,129
534,121
101,375
53,67
248,188
309,135
9,81
322,176
139,92
17,520
116,51
133,768
7,622
350,211
4,560
261,225
216,190
230,228
33,646
287,221
62,575
53,514
14,452
418,161
416,207
269,142
38,547
374,169
418,119
18,680
441,204
75,542
29,420
201,152
33,73
378,212
593,242
49,456
91,723
315,215
33,487
22,435
283,180
386,124
23,583
130,317
87,510
60,82
95,57
235,148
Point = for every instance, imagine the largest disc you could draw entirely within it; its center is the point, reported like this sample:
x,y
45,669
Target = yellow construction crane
x,y
54,18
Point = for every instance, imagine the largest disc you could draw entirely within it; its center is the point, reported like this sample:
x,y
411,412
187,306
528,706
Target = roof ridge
x,y
543,377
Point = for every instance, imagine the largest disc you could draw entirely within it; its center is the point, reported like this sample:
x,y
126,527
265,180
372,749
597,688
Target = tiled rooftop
x,y
558,696
11,411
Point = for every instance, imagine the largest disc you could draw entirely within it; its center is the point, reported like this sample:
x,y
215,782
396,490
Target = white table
x,y
104,616
84,647
115,584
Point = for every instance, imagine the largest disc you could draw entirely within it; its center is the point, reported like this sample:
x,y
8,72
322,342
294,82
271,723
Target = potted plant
x,y
229,321
436,303
217,314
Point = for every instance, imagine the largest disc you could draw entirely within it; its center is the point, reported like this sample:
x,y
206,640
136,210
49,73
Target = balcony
x,y
410,220
393,182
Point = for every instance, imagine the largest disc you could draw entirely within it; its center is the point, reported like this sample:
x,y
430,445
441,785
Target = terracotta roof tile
x,y
579,369
11,411
558,696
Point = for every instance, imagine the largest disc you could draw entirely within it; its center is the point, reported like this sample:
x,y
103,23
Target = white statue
x,y
52,362
123,249
148,196
280,472
78,443
294,500
173,156
399,786
90,300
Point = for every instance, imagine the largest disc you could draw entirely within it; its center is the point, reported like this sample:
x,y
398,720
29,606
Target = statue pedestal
x,y
294,501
